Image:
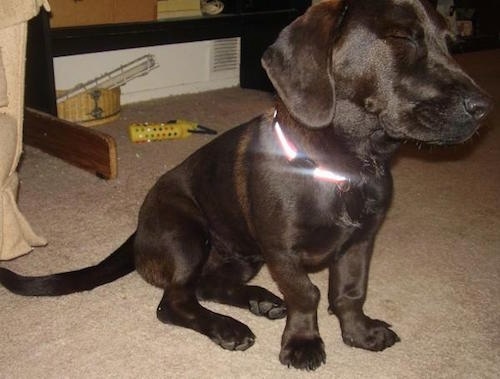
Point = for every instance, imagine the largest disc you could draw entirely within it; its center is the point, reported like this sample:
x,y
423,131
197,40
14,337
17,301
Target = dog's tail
x,y
118,264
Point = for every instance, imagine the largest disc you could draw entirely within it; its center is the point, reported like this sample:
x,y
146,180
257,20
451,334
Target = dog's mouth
x,y
423,134
436,130
454,140
431,126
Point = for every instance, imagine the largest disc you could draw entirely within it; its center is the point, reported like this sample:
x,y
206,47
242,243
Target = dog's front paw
x,y
303,353
369,334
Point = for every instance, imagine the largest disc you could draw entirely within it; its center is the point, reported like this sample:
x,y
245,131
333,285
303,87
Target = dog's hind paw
x,y
271,309
265,303
303,353
231,334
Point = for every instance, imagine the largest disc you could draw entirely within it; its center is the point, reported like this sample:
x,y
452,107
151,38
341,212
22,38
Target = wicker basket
x,y
91,108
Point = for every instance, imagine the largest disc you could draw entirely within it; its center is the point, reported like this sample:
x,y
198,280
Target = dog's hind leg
x,y
225,284
171,250
180,306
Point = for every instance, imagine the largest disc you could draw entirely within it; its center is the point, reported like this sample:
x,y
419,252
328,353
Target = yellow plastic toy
x,y
173,129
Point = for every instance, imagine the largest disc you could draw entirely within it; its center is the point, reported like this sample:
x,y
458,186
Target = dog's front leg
x,y
347,293
301,344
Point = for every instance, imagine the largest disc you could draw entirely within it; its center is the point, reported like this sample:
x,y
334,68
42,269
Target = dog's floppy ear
x,y
299,64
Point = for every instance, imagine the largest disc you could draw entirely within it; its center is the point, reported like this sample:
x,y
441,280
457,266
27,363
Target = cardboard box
x,y
178,5
178,8
92,12
134,10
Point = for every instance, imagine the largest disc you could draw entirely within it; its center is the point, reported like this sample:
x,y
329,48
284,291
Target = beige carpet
x,y
435,275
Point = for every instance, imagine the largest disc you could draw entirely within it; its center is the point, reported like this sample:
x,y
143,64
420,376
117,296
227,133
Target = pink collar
x,y
291,152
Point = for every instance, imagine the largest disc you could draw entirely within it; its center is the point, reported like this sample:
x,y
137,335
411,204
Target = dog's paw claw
x,y
303,353
241,345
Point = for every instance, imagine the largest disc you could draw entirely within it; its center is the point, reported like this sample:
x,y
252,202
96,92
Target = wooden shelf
x,y
95,38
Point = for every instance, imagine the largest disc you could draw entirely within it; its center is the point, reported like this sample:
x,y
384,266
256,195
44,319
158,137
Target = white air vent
x,y
225,58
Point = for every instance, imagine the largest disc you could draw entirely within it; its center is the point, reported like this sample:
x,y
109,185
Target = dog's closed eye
x,y
407,42
403,38
406,34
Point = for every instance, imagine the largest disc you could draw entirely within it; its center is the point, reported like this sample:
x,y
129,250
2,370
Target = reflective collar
x,y
318,172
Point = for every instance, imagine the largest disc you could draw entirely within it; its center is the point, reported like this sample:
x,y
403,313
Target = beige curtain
x,y
16,235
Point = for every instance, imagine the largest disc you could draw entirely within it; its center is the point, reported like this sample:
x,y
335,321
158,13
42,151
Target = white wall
x,y
183,68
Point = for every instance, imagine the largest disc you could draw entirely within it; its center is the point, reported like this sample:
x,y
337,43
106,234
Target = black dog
x,y
301,188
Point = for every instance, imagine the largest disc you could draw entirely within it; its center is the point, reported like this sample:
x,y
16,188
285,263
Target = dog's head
x,y
387,57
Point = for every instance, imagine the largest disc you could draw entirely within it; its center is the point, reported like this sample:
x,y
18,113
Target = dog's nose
x,y
477,106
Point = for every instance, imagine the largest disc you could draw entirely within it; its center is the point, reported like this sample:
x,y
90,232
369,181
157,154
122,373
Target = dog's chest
x,y
339,219
357,206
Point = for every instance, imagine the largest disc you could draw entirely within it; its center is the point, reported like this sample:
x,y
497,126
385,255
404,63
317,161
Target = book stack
x,y
178,8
